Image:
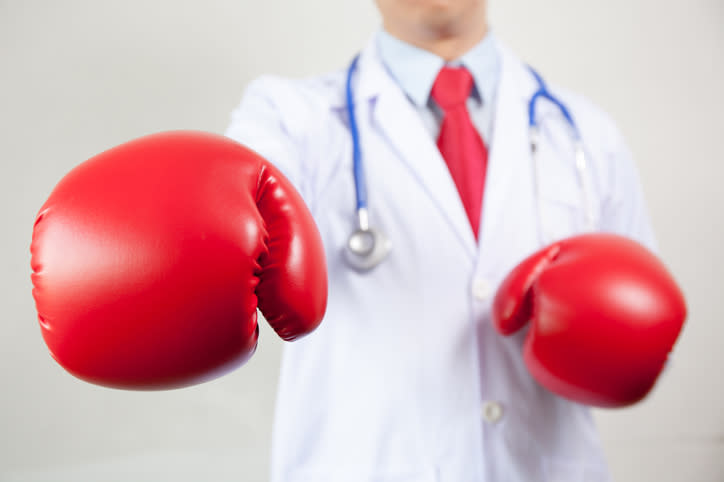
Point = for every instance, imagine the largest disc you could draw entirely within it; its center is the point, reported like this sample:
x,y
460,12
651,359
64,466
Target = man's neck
x,y
449,45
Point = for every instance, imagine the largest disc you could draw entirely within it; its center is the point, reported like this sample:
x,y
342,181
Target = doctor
x,y
407,380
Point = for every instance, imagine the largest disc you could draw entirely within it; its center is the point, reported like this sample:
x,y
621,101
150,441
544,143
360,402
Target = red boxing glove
x,y
605,314
150,259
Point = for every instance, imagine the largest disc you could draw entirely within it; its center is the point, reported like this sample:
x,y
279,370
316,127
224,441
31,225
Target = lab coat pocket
x,y
559,469
561,210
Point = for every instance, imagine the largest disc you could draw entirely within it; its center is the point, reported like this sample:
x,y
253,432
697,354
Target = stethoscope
x,y
367,247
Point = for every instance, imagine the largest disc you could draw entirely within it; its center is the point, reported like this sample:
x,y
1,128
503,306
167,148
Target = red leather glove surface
x,y
604,315
150,260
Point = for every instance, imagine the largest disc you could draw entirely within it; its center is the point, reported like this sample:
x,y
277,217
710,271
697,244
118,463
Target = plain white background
x,y
77,77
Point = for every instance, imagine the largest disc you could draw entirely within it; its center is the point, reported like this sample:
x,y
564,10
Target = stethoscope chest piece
x,y
366,248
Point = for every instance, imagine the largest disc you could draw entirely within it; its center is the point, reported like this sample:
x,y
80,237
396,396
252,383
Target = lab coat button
x,y
492,411
481,289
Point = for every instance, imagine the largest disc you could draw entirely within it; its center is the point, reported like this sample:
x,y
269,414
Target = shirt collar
x,y
415,69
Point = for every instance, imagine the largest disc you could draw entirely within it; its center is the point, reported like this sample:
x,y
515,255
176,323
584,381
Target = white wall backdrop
x,y
79,76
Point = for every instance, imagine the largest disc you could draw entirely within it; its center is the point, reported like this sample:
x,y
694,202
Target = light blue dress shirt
x,y
415,71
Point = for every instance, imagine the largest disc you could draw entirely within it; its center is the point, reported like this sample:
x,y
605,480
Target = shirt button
x,y
492,411
482,289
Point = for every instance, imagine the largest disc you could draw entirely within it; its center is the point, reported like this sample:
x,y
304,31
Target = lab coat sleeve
x,y
259,122
624,208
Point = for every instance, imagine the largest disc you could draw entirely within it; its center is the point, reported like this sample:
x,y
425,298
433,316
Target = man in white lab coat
x,y
406,379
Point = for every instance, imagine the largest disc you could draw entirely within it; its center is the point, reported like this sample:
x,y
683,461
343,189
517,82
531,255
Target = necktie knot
x,y
452,87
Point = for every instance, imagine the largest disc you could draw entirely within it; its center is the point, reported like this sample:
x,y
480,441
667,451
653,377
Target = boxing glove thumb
x,y
513,304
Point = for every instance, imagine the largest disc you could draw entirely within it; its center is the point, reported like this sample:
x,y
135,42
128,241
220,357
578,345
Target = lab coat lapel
x,y
398,122
509,152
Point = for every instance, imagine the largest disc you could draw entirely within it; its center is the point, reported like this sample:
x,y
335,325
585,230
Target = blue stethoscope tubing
x,y
367,247
360,185
579,154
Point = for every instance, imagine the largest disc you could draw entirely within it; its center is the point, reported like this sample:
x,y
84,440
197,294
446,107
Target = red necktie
x,y
459,142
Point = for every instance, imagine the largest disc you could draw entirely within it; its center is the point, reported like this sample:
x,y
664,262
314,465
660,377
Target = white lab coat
x,y
406,378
